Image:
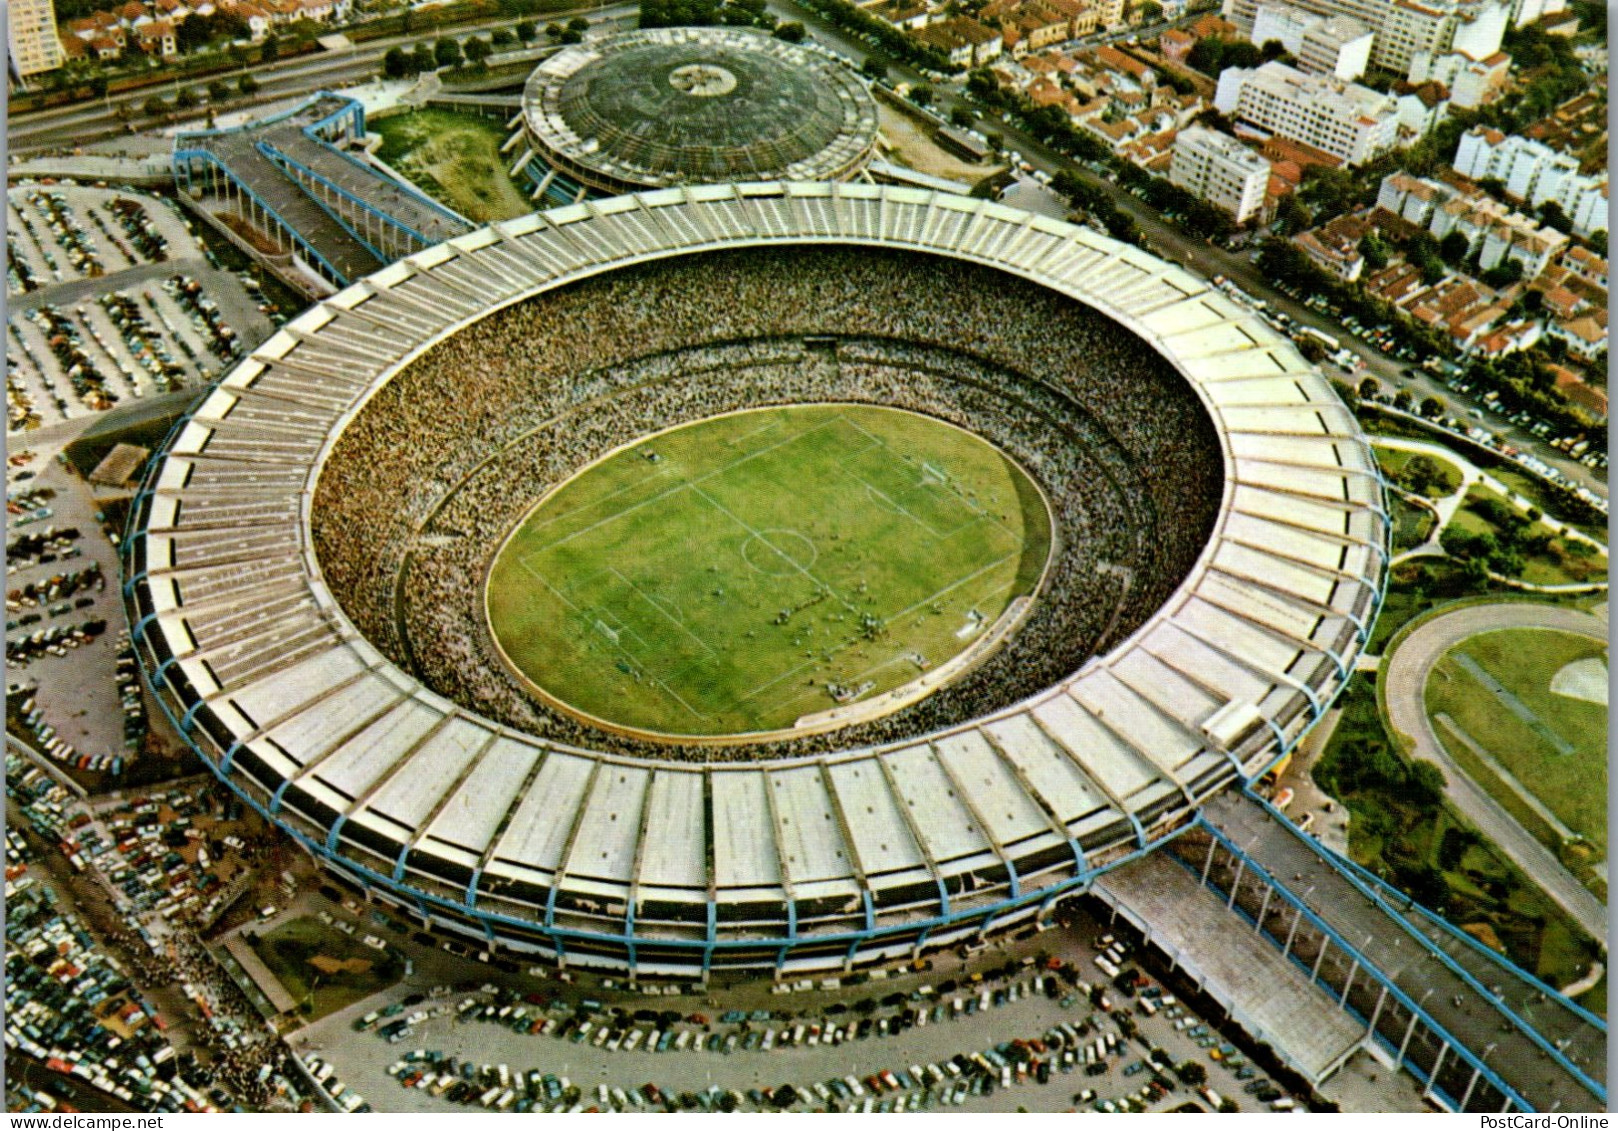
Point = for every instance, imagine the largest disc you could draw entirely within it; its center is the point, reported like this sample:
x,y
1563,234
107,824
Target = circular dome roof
x,y
670,106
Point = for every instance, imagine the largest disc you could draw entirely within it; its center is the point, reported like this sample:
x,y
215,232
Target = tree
x,y
1552,216
502,37
270,50
874,68
1403,399
962,118
1149,11
578,24
791,31
447,53
396,64
1598,242
1291,216
1369,387
1374,250
247,84
478,51
1432,407
1314,352
186,99
218,91
554,30
422,58
1423,475
1504,273
154,107
1191,1073
527,31
571,36
921,94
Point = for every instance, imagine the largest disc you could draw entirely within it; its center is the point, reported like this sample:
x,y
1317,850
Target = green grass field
x,y
729,576
1555,745
1411,525
1394,460
455,159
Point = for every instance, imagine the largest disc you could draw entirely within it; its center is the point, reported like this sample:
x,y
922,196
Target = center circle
x,y
702,80
779,553
769,572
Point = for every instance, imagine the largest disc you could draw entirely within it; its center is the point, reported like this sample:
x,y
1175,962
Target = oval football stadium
x,y
754,580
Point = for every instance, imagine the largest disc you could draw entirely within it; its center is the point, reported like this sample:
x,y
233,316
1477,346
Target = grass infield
x,y
1498,687
734,575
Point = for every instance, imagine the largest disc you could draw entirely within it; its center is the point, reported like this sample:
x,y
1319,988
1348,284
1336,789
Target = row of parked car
x,y
326,1078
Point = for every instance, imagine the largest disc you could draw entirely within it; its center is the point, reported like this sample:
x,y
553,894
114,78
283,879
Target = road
x,y
1405,677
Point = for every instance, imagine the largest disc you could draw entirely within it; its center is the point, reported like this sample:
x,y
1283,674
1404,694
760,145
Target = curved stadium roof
x,y
669,106
464,820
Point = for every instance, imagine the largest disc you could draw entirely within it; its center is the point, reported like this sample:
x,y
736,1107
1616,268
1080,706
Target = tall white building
x,y
34,45
1349,121
1534,172
1323,45
1221,170
1400,28
1471,82
1525,12
1492,230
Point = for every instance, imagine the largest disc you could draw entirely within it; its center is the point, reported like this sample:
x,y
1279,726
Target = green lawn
x,y
1555,745
736,574
294,950
1412,525
1564,561
1394,460
1430,853
455,159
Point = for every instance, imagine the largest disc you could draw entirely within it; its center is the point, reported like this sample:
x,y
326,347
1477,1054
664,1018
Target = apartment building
x,y
1400,28
34,46
1339,46
1534,172
1493,232
1350,122
1217,168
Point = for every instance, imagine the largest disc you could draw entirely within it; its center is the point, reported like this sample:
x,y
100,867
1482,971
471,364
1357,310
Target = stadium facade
x,y
662,107
743,869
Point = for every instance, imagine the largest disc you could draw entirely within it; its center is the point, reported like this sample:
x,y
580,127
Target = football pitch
x,y
736,574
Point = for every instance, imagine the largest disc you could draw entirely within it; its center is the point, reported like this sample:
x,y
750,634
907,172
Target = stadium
x,y
315,572
661,107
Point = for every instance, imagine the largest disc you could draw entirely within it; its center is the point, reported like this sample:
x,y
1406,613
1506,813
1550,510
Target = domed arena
x,y
688,105
758,579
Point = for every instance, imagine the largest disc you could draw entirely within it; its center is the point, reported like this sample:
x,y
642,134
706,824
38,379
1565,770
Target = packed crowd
x,y
442,462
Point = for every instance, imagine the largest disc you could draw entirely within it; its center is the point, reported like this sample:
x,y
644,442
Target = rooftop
x,y
672,106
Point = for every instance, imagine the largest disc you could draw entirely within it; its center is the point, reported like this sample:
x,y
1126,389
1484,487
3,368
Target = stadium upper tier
x,y
851,855
672,106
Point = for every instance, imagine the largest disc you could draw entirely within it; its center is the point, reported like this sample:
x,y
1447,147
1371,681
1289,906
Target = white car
x,y
374,942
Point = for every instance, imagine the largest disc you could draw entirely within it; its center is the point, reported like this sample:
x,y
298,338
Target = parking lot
x,y
66,583
112,298
1014,1010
